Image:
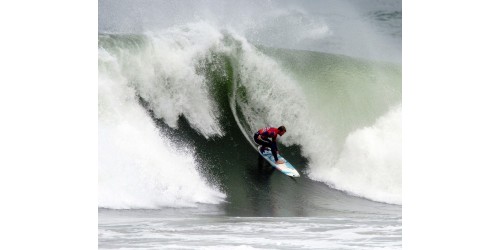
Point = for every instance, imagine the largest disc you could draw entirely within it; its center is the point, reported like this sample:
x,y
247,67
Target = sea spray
x,y
341,96
370,162
268,94
138,167
164,71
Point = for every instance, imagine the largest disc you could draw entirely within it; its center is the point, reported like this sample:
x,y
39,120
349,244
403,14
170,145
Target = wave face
x,y
342,113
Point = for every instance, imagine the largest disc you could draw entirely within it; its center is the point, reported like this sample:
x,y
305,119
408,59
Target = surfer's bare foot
x,y
280,162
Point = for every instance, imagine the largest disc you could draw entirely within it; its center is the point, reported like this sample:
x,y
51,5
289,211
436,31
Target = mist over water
x,y
329,71
366,29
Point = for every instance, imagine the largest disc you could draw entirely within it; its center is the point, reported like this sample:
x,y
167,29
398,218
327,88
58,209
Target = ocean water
x,y
172,229
184,84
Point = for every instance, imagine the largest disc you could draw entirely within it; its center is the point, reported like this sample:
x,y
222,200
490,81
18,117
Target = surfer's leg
x,y
255,138
265,143
268,144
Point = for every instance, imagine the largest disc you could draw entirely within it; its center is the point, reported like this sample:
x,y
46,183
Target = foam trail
x,y
137,167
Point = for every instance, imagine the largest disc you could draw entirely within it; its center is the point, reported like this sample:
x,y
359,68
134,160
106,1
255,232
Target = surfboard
x,y
285,168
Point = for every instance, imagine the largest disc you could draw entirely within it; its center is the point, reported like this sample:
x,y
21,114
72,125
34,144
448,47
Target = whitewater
x,y
181,93
163,70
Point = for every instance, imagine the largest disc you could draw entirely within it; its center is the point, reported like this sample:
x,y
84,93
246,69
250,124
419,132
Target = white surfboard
x,y
285,168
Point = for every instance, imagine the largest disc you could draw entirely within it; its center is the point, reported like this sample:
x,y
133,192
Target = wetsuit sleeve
x,y
275,155
275,144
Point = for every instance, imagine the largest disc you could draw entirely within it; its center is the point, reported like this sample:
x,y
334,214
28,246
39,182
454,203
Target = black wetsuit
x,y
265,141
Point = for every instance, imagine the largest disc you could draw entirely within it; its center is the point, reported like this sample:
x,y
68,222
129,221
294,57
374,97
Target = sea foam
x,y
138,166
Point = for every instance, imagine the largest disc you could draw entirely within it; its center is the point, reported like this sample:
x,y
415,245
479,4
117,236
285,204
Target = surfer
x,y
267,137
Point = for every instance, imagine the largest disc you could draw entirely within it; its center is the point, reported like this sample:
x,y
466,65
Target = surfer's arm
x,y
276,156
275,140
